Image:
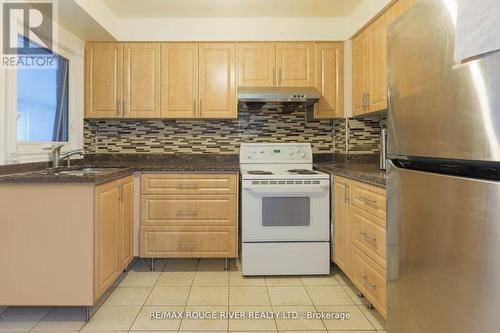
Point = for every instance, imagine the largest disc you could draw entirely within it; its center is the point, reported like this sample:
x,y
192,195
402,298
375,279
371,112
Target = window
x,y
42,107
42,102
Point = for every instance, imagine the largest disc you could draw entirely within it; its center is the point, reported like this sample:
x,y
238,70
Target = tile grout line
x,y
189,294
314,305
146,299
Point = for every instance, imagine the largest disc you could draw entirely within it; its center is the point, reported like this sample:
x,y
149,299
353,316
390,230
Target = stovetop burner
x,y
259,172
303,172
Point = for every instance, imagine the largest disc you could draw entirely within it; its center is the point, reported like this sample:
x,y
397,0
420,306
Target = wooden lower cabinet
x,y
360,237
189,216
113,231
70,244
188,242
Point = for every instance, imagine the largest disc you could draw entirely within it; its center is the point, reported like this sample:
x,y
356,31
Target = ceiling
x,y
230,8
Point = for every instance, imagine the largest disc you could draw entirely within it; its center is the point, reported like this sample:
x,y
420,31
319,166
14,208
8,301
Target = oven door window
x,y
286,211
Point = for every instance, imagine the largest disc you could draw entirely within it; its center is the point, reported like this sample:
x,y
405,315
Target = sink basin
x,y
87,171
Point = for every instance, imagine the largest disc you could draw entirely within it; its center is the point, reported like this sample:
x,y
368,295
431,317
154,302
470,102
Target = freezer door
x,y
436,108
443,253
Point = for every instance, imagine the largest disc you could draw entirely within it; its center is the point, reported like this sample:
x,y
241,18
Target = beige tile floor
x,y
202,286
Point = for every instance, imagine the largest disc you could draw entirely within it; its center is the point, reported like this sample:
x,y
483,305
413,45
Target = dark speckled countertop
x,y
362,168
364,172
126,164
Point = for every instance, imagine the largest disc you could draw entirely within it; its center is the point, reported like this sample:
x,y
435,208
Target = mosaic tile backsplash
x,y
225,136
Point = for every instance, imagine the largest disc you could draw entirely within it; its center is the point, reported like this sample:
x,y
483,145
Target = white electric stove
x,y
285,211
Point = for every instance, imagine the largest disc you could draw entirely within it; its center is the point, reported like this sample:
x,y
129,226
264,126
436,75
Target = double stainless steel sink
x,y
86,171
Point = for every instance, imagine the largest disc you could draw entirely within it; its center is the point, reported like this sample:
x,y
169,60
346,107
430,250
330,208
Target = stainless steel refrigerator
x,y
443,179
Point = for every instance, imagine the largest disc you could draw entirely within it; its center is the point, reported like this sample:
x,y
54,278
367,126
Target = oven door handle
x,y
286,189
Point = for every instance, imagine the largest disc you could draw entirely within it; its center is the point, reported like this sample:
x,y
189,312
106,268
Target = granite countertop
x,y
364,172
126,165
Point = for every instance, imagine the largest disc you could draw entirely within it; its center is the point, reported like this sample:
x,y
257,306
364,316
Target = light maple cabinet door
x,y
359,74
329,79
217,75
342,242
179,80
398,9
103,80
295,64
377,64
127,221
256,64
107,235
141,84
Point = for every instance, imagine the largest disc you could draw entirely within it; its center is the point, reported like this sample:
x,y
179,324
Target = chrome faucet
x,y
71,153
56,157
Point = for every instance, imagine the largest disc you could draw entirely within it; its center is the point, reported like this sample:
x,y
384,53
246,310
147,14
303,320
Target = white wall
x,y
231,29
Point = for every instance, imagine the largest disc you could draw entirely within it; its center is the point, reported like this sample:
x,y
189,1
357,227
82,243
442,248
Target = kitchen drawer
x,y
189,210
162,183
369,198
188,242
369,236
370,279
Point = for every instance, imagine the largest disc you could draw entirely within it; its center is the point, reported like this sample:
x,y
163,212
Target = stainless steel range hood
x,y
282,99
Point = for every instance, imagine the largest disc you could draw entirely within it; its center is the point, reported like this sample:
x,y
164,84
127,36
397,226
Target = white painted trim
x,y
71,48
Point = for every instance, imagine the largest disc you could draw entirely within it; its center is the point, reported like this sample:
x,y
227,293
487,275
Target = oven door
x,y
283,212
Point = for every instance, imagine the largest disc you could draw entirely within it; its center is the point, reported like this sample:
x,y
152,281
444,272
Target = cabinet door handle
x,y
367,100
121,193
187,245
367,237
369,202
194,107
279,77
346,194
274,76
201,107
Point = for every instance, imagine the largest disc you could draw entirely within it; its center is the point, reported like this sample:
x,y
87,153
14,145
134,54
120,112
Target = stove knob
x,y
302,155
290,152
297,150
254,152
249,156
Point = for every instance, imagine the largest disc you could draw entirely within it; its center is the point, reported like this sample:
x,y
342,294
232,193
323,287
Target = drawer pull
x,y
367,283
187,245
187,186
181,212
367,237
369,202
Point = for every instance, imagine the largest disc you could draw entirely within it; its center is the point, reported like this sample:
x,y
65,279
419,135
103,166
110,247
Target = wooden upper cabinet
x,y
141,73
377,64
103,80
398,9
217,75
295,64
256,64
359,74
369,57
179,80
329,79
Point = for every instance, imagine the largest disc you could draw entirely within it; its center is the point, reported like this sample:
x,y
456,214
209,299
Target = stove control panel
x,y
276,153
